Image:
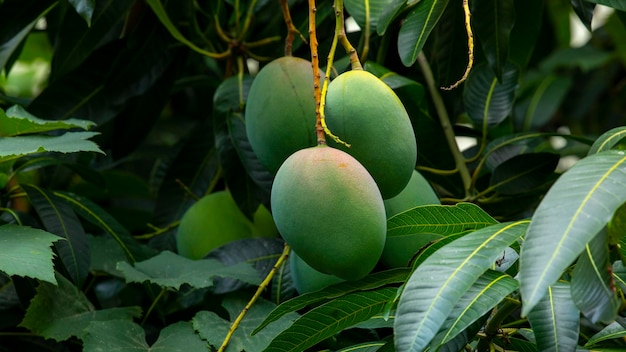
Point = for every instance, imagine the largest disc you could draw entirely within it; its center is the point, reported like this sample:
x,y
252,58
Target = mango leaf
x,y
608,140
489,290
489,102
575,209
615,330
84,8
525,32
523,173
584,11
443,278
69,142
60,312
555,320
93,213
18,121
372,346
535,109
461,340
369,282
59,218
493,22
591,282
428,250
389,13
25,251
366,12
170,270
126,336
328,319
416,28
616,4
213,328
439,219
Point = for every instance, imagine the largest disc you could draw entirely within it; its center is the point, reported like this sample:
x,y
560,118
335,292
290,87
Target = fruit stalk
x,y
291,29
340,34
315,61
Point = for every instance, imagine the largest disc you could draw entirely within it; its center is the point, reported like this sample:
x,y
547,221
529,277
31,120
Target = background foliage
x,y
116,115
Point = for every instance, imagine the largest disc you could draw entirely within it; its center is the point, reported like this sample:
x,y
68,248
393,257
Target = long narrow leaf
x,y
608,140
493,22
417,27
59,218
575,209
330,318
555,320
443,278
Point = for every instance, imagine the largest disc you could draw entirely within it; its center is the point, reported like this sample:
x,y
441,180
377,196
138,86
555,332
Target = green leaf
x,y
369,282
493,21
389,13
612,331
523,173
328,319
591,282
59,218
555,320
489,290
616,4
60,312
126,336
92,212
170,270
535,109
525,33
442,279
434,247
25,251
364,347
439,219
416,28
18,121
84,8
575,209
396,81
69,142
107,255
584,11
214,328
366,12
489,102
608,140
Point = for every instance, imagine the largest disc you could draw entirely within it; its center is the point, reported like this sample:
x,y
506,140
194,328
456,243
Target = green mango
x,y
330,211
365,113
398,251
280,111
305,278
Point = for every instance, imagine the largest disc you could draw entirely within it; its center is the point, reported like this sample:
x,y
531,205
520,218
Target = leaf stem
x,y
279,263
153,305
444,119
291,29
315,62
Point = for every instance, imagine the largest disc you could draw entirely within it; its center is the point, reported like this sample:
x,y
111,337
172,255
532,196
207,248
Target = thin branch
x,y
470,46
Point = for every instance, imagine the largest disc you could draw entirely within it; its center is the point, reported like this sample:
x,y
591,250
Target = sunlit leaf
x,y
488,101
493,21
170,270
366,12
69,142
591,289
575,209
60,312
555,320
328,319
18,121
442,279
439,219
26,251
608,140
416,28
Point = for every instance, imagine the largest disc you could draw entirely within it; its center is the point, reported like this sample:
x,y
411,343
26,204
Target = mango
x,y
305,278
280,111
263,223
213,221
365,113
398,251
329,210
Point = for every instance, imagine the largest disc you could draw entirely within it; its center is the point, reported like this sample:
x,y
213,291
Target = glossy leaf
x,y
63,311
523,173
612,331
372,281
439,219
536,109
373,346
608,140
366,12
69,142
489,290
584,11
567,218
488,101
59,218
328,319
429,249
170,270
416,28
17,121
26,251
84,8
616,4
555,320
591,282
443,278
493,21
389,13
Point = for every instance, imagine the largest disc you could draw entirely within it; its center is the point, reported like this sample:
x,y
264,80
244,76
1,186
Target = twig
x,y
291,29
470,46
